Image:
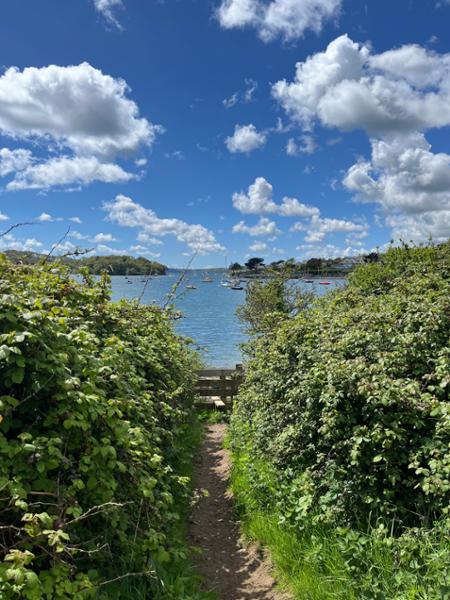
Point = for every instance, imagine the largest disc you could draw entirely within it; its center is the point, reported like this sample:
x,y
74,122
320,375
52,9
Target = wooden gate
x,y
218,387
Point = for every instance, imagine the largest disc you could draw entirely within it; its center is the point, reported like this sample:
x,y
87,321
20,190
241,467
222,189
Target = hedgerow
x,y
343,422
95,404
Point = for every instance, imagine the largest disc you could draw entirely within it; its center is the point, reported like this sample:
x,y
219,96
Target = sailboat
x,y
236,285
207,278
225,281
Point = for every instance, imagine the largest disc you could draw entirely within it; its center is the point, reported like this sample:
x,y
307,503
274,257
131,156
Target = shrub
x,y
348,400
95,401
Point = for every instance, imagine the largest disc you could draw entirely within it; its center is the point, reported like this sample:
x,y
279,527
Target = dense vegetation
x,y
96,406
96,265
341,434
315,267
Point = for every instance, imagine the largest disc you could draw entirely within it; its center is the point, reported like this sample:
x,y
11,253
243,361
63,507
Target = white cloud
x,y
76,220
144,251
13,160
65,247
420,227
10,242
76,235
45,218
307,145
409,183
403,174
64,170
395,97
127,213
258,247
264,227
231,101
147,239
318,228
101,238
259,200
286,18
3,217
245,96
245,139
76,106
178,154
329,251
104,249
401,90
77,109
105,8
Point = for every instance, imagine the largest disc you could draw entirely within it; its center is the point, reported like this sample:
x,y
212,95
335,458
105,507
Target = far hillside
x,y
114,265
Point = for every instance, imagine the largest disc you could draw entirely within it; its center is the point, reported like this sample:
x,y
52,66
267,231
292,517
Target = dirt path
x,y
232,570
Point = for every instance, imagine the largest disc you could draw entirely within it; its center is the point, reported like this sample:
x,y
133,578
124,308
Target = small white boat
x,y
191,287
236,285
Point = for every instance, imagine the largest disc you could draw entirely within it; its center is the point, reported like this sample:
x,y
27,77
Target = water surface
x,y
209,312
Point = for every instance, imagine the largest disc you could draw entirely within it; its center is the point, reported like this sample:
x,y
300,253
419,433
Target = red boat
x,y
325,282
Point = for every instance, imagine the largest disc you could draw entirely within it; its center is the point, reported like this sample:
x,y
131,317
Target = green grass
x,y
319,562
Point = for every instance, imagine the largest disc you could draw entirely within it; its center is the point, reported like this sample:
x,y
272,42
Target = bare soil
x,y
231,569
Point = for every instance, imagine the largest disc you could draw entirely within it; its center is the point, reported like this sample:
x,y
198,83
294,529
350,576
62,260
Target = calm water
x,y
209,312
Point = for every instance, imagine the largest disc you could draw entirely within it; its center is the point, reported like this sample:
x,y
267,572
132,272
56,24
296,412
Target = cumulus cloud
x,y
3,217
403,174
64,171
76,220
13,160
329,251
127,213
148,239
104,249
77,109
144,251
409,183
76,235
402,90
286,18
259,200
245,139
258,247
46,218
318,228
264,227
395,97
102,238
10,242
76,106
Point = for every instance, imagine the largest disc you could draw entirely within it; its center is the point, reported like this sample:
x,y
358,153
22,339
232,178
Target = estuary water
x,y
209,311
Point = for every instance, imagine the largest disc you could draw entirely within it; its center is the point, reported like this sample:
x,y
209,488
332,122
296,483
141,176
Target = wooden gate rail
x,y
217,387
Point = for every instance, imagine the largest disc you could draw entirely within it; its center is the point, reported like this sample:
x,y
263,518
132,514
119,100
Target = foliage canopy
x,y
95,400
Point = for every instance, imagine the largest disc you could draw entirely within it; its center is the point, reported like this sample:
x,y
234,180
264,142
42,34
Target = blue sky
x,y
164,128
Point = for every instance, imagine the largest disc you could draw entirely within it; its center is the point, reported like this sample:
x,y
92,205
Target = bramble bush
x,y
95,404
344,418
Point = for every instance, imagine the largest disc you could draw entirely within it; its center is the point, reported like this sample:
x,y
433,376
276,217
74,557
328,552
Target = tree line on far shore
x,y
312,266
113,265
